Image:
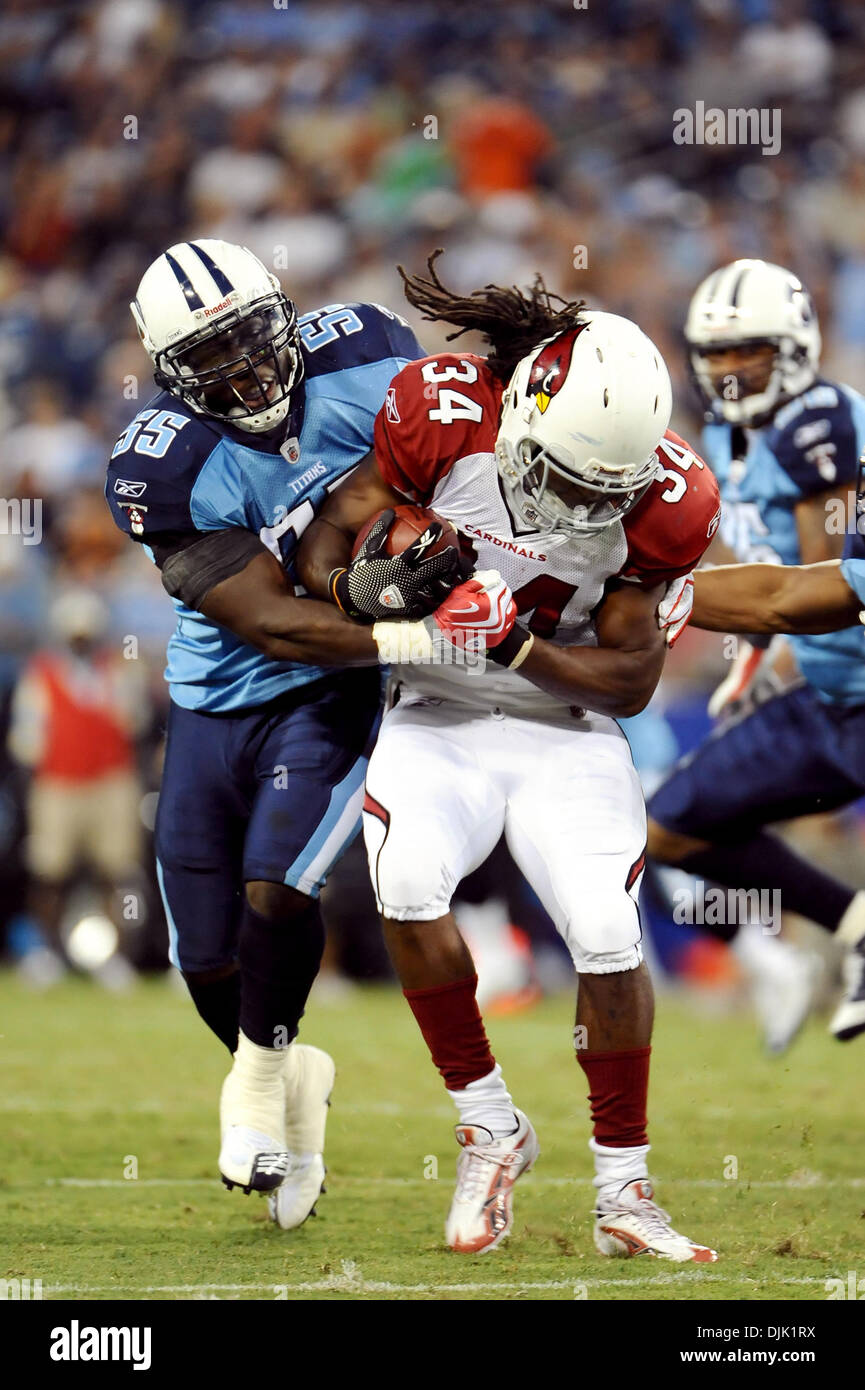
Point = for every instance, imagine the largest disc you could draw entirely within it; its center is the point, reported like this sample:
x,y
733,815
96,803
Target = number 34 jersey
x,y
435,439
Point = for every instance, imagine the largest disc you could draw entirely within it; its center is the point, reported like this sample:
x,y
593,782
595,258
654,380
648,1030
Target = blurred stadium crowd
x,y
335,140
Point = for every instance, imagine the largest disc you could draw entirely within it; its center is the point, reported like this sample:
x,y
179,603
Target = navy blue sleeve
x,y
340,336
153,469
817,445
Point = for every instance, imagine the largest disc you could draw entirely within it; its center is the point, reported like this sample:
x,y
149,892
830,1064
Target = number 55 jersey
x,y
175,476
435,440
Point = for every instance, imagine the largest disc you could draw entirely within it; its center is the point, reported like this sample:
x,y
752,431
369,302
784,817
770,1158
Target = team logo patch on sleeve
x,y
136,517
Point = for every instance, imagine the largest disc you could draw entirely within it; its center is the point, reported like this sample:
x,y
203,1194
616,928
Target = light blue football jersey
x,y
811,446
175,472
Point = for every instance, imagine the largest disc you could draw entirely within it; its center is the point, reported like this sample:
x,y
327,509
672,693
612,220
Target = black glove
x,y
407,586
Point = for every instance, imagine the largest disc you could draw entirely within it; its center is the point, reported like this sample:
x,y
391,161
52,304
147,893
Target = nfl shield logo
x,y
391,597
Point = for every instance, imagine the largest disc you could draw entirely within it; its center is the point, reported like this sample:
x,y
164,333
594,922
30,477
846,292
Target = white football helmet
x,y
581,419
221,333
748,303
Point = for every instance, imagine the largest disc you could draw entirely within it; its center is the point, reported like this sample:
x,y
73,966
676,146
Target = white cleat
x,y
481,1213
784,993
295,1198
632,1224
310,1075
253,1153
848,1021
251,1160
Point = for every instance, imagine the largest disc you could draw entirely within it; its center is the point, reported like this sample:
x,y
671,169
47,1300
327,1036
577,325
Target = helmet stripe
x,y
737,287
191,295
712,287
222,282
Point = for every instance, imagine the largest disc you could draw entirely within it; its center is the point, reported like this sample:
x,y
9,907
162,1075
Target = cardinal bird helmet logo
x,y
551,366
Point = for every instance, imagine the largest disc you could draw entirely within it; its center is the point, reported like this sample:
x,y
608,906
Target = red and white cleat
x,y
633,1225
481,1213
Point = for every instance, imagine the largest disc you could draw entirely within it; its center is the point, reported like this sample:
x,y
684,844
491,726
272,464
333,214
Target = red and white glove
x,y
478,616
481,608
674,610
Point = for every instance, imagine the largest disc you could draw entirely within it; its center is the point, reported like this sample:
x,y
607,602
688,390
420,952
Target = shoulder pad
x,y
340,336
670,528
814,439
154,465
437,410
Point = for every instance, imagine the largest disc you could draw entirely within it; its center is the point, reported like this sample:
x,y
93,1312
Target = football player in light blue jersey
x,y
259,416
784,444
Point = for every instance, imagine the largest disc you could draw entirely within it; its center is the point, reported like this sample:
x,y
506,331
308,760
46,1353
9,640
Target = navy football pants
x,y
793,756
273,793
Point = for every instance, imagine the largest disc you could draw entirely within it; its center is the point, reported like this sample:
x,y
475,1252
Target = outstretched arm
x,y
774,598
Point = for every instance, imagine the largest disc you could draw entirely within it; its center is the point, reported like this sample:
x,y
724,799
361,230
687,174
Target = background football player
x,y
257,418
553,459
784,443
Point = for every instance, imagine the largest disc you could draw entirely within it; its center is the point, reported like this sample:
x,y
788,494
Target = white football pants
x,y
445,780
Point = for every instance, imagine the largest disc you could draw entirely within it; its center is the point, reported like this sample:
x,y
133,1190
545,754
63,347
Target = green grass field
x,y
95,1085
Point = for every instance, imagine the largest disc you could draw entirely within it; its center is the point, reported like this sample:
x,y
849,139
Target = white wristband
x,y
403,643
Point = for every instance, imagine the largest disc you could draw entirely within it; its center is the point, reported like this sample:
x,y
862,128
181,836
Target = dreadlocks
x,y
511,322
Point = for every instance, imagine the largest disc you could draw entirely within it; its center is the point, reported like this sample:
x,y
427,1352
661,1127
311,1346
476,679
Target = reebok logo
x,y
77,1343
423,542
125,487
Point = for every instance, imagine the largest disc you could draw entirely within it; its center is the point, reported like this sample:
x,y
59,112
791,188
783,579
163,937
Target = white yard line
x,y
351,1282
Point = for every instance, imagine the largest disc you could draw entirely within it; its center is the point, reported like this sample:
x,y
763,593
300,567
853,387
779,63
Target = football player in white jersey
x,y
552,458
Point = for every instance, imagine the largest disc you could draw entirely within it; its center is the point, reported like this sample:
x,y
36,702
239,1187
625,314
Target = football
x,y
410,522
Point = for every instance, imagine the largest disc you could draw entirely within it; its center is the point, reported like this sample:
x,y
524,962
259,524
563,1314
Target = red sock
x,y
618,1095
449,1018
